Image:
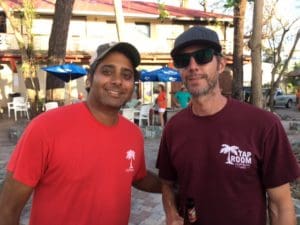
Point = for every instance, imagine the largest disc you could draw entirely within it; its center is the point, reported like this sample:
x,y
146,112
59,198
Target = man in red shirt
x,y
81,160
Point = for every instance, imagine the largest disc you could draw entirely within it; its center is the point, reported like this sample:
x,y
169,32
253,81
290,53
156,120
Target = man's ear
x,y
221,64
88,81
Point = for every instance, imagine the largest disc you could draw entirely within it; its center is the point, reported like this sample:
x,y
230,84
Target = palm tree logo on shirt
x,y
130,155
227,149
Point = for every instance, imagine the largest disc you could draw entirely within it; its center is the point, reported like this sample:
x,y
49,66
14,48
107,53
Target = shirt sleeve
x,y
163,163
28,160
279,162
141,172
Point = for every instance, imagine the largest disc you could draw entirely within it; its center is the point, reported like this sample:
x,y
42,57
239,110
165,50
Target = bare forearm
x,y
169,203
150,183
13,197
282,217
281,207
8,218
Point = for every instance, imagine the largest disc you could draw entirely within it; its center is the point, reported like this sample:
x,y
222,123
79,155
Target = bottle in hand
x,y
191,211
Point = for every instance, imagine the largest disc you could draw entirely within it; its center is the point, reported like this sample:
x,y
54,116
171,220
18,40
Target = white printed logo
x,y
236,157
130,155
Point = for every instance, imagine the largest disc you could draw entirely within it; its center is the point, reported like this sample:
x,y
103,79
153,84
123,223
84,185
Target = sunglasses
x,y
201,57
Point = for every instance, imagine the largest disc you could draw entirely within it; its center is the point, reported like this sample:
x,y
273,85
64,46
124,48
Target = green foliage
x,y
163,13
268,55
232,3
29,14
297,65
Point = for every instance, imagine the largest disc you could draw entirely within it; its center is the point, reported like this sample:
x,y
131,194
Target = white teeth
x,y
114,93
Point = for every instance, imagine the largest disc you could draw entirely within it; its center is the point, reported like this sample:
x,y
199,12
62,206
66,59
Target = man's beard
x,y
203,91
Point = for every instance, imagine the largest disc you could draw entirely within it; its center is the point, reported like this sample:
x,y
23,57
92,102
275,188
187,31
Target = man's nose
x,y
116,77
192,63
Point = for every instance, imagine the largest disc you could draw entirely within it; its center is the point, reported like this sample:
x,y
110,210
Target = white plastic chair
x,y
18,104
128,113
143,114
51,105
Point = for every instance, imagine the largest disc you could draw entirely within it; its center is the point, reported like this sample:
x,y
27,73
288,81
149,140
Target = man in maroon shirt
x,y
232,160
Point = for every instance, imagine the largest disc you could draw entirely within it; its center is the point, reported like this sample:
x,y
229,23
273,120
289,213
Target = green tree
x,y
297,66
280,65
277,29
25,40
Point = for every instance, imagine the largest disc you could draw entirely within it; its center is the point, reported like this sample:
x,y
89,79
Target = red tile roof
x,y
130,8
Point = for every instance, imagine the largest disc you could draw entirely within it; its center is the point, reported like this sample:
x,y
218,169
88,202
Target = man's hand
x,y
174,219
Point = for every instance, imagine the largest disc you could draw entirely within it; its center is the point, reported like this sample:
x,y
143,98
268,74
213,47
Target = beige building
x,y
93,23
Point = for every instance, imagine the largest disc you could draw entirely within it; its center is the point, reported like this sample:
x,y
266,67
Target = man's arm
x,y
169,202
281,207
175,100
13,197
150,183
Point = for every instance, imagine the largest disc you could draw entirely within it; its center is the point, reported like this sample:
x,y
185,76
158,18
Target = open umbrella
x,y
66,72
148,76
164,74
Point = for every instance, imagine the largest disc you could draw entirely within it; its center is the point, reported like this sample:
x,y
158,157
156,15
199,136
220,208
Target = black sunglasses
x,y
201,57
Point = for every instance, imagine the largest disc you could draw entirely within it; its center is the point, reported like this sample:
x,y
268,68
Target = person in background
x,y
182,98
81,160
134,101
161,101
80,96
231,160
298,98
87,86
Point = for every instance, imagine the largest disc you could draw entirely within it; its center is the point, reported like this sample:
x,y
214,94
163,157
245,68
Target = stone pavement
x,y
146,207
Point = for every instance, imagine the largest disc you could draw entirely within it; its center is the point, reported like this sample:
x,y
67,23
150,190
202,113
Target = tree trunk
x,y
119,19
255,45
239,18
58,46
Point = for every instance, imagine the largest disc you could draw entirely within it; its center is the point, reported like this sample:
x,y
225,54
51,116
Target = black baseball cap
x,y
197,35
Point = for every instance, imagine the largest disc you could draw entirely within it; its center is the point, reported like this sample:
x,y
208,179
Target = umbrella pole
x,y
70,92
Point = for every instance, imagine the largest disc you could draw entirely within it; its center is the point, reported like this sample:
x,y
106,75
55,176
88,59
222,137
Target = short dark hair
x,y
162,87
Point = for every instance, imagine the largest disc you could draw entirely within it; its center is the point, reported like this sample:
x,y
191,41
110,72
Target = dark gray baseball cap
x,y
197,35
128,49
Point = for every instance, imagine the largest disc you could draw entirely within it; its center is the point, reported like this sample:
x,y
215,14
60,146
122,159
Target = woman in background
x,y
161,101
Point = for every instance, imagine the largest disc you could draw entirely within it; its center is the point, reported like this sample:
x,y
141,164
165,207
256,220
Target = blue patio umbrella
x,y
164,74
148,76
66,72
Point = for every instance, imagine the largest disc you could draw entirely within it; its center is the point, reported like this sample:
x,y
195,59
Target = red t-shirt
x,y
82,171
226,161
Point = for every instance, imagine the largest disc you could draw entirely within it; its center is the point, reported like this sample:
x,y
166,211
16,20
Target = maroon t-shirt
x,y
226,161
